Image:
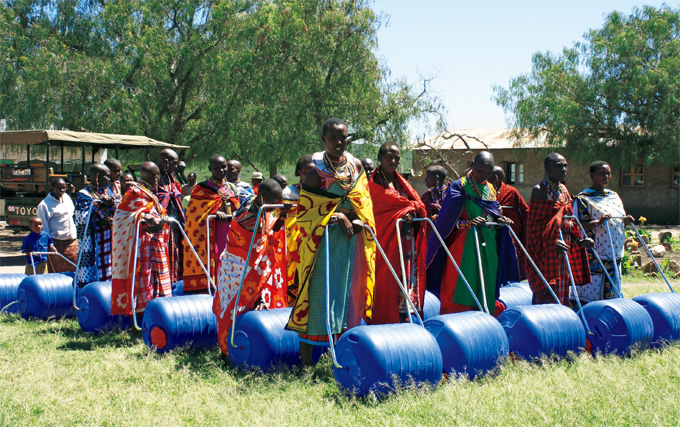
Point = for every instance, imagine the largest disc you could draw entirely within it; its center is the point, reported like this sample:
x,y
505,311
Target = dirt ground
x,y
11,260
655,230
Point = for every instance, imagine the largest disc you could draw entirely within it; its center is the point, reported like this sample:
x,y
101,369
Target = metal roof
x,y
70,138
476,139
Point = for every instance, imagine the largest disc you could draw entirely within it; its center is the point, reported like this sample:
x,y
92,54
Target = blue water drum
x,y
546,329
372,357
664,309
9,285
472,343
522,284
46,295
431,305
178,288
175,322
513,296
618,325
94,309
261,341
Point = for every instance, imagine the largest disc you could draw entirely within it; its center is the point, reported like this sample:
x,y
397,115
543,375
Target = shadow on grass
x,y
78,340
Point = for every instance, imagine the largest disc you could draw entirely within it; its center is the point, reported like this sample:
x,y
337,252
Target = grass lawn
x,y
53,373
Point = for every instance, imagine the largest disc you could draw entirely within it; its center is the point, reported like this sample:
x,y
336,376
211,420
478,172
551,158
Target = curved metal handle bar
x,y
80,255
617,273
573,288
481,271
207,243
53,253
652,257
133,301
245,267
402,285
328,303
35,273
191,245
597,256
453,261
401,261
328,315
533,264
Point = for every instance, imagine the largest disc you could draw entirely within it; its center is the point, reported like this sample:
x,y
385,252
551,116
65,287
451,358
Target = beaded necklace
x,y
554,190
395,185
475,186
224,191
95,192
340,170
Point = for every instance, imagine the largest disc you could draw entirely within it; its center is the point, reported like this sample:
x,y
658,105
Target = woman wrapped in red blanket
x,y
393,199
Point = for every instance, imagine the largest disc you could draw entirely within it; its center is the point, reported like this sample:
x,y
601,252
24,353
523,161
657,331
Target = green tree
x,y
617,93
252,79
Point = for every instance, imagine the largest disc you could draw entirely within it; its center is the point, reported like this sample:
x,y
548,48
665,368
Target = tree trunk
x,y
272,169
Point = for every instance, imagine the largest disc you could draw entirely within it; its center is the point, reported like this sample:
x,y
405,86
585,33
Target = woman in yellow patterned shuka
x,y
334,195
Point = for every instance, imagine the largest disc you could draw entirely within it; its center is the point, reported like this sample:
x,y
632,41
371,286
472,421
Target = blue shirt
x,y
36,243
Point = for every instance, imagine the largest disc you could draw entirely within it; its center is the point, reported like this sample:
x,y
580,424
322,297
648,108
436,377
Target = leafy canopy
x,y
617,93
250,79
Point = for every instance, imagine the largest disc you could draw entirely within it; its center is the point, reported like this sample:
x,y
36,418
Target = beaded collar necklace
x,y
475,186
553,189
343,174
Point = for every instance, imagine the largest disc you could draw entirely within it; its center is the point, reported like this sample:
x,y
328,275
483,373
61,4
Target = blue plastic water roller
x,y
174,322
9,285
373,356
546,329
261,341
522,284
46,295
178,288
618,325
94,314
472,343
664,309
431,305
513,296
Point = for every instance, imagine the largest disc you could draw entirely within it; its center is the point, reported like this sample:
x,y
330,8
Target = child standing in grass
x,y
37,241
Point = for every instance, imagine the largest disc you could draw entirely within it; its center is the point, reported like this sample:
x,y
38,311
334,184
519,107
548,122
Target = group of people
x,y
314,241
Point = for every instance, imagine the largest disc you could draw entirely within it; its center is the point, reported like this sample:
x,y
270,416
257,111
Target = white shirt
x,y
57,217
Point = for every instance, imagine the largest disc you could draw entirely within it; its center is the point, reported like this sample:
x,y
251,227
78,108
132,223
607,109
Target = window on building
x,y
514,173
676,176
633,176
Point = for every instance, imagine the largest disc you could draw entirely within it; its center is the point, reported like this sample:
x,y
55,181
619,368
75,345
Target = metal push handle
x,y
394,274
533,264
245,268
133,301
172,220
481,271
597,256
402,285
328,304
401,260
573,288
51,253
207,243
453,261
617,273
